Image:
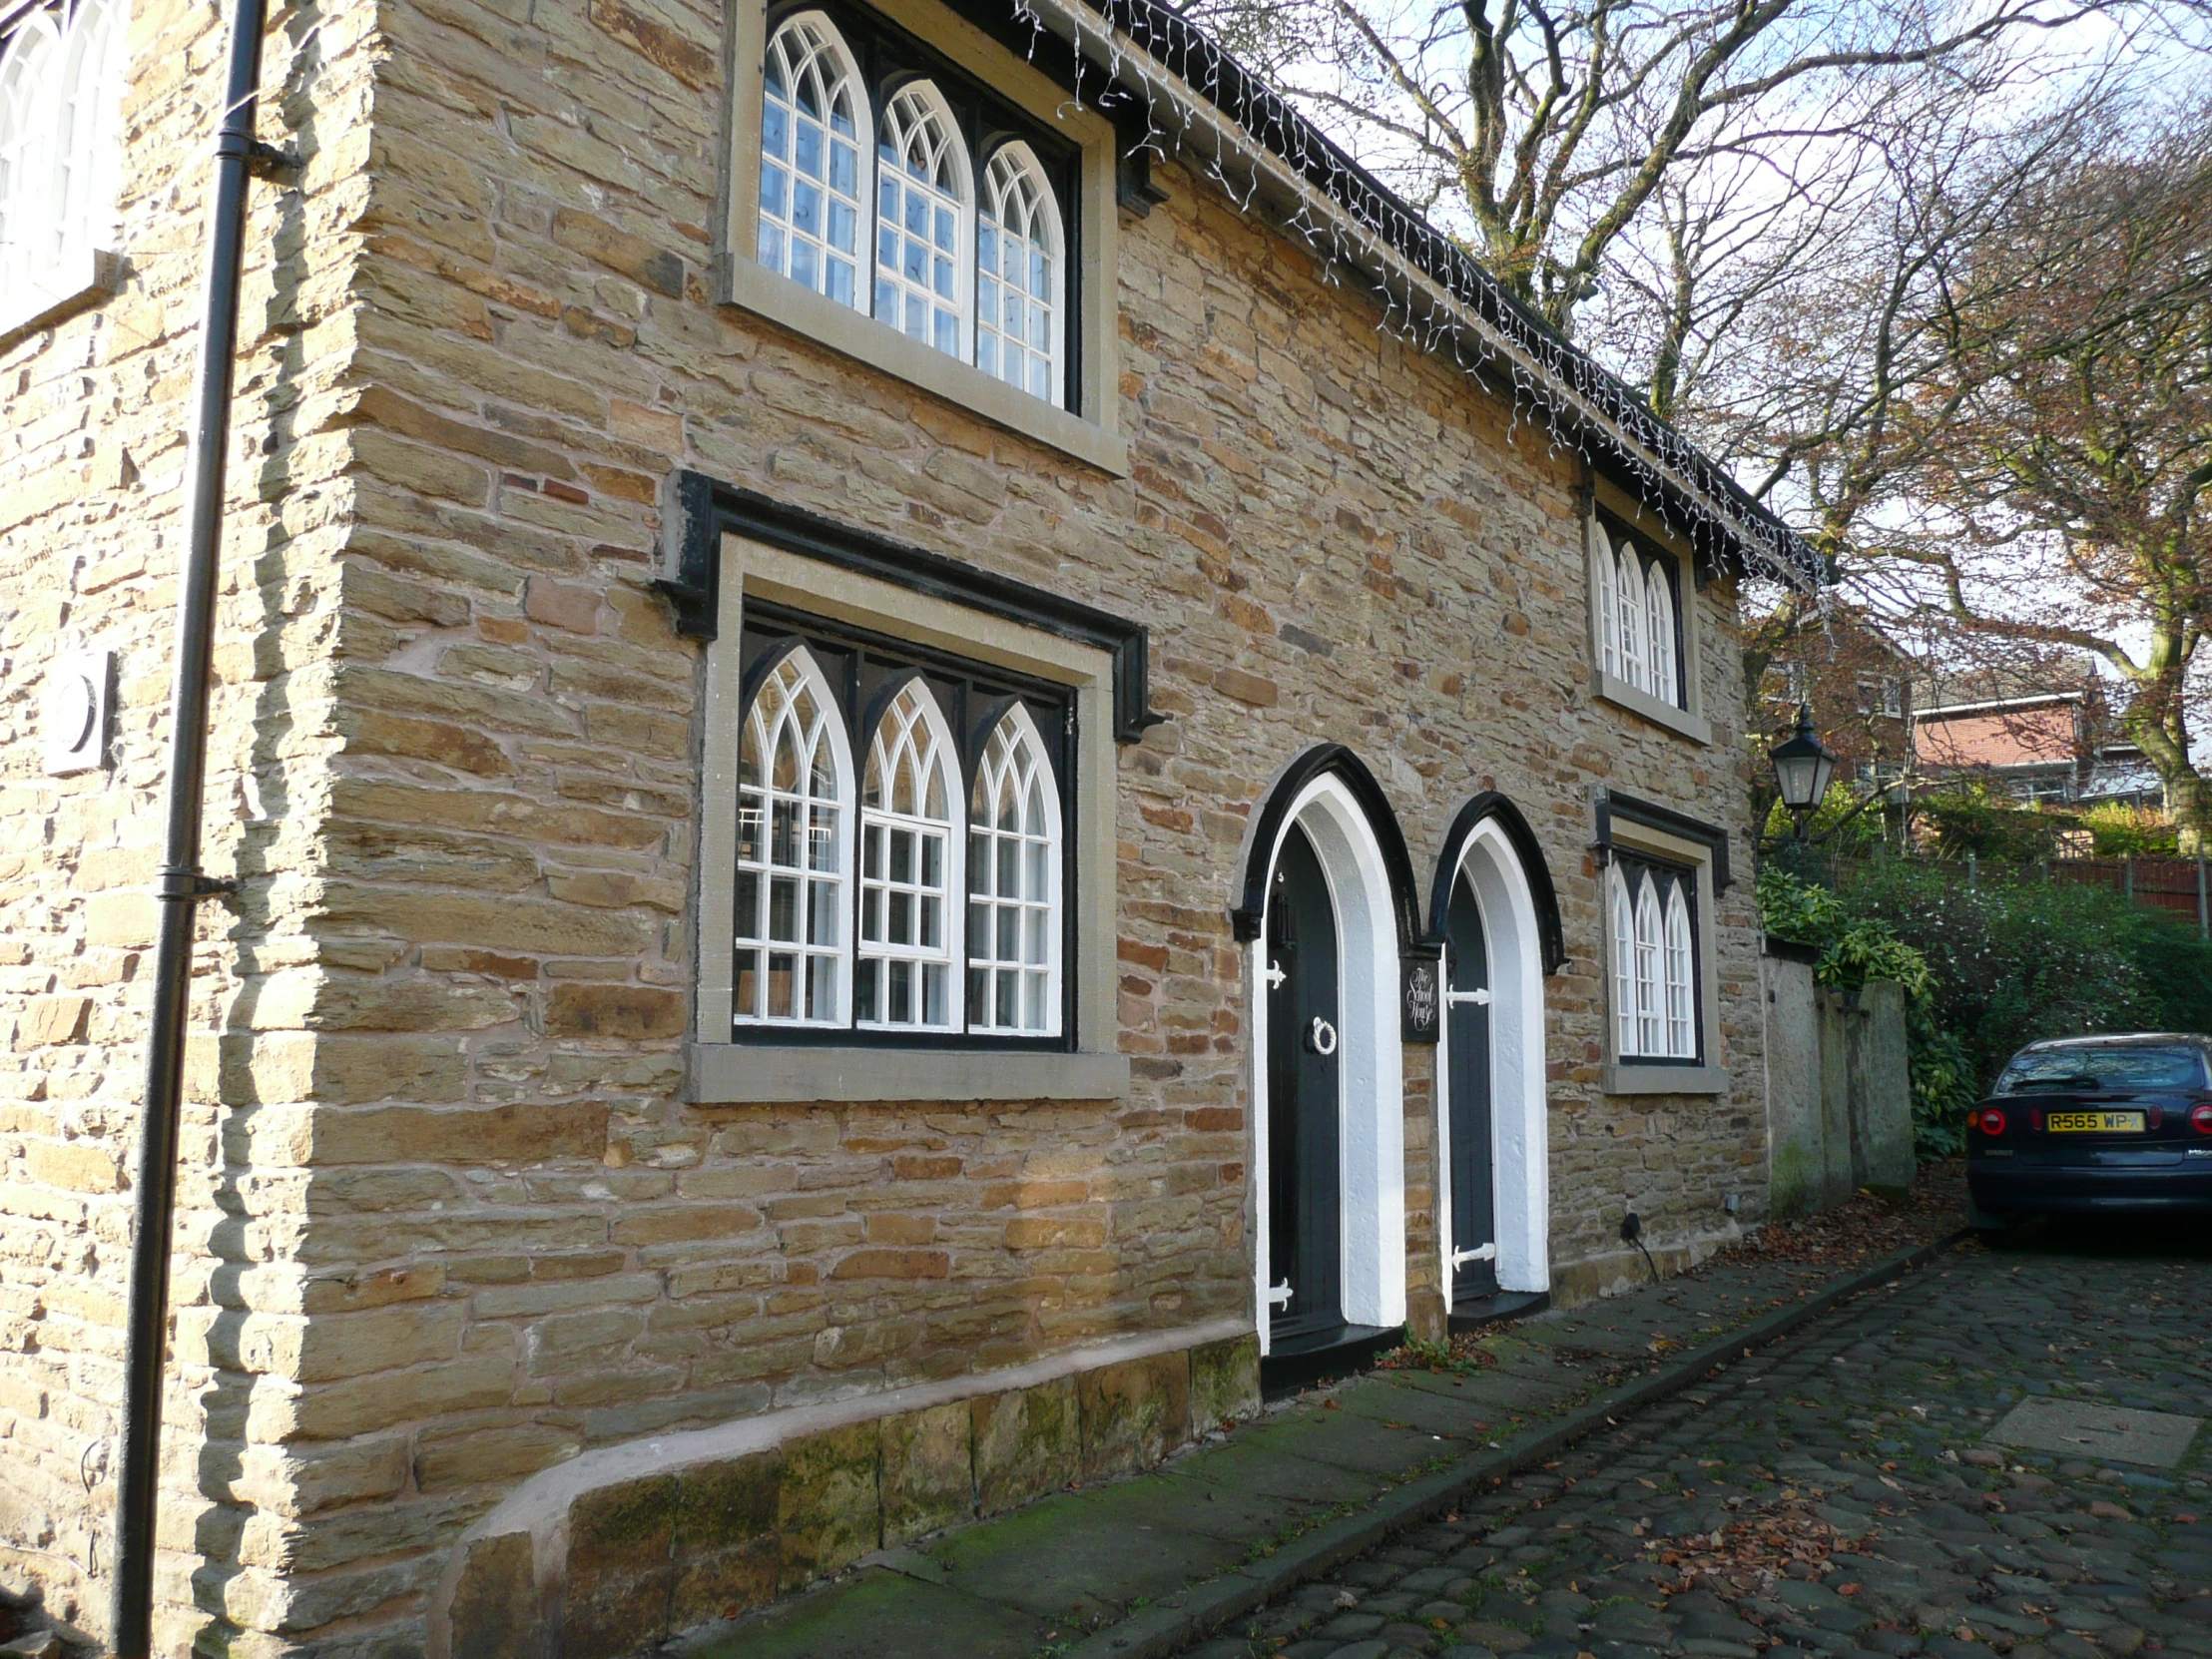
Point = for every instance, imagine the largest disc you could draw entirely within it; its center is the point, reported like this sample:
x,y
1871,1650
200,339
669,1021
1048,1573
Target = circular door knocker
x,y
1321,1037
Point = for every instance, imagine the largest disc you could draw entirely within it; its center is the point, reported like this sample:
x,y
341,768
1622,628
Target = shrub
x,y
1969,819
2012,963
1857,946
2117,831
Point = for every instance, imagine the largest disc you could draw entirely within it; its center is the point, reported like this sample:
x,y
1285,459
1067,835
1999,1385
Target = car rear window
x,y
2175,1067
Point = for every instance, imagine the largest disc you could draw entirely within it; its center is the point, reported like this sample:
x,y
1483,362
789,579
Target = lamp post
x,y
1802,765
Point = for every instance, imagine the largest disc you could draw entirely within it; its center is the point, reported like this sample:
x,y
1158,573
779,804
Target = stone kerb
x,y
621,1546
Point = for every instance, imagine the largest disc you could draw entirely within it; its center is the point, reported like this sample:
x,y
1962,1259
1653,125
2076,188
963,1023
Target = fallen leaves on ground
x,y
1749,1555
1864,1229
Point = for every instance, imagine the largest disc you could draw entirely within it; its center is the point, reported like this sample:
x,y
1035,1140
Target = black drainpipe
x,y
181,885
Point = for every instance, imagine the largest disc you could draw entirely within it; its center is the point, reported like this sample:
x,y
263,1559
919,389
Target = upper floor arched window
x,y
1020,315
923,220
813,148
1634,615
61,102
1659,619
894,185
1014,864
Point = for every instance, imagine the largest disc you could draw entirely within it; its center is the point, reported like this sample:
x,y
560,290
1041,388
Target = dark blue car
x,y
2106,1124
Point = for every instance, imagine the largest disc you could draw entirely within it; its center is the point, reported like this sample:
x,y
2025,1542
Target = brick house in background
x,y
915,798
2043,730
1860,684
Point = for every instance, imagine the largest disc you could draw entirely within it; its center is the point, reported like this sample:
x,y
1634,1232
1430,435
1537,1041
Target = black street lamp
x,y
1802,765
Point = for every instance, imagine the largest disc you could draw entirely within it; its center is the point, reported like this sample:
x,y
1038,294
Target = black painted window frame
x,y
1633,864
891,59
859,664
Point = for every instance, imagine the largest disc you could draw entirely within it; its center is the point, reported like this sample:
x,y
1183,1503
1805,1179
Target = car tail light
x,y
2035,1119
2154,1116
1990,1121
2200,1118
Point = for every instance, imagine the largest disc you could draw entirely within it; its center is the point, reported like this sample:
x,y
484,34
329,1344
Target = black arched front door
x,y
1304,1095
1467,1012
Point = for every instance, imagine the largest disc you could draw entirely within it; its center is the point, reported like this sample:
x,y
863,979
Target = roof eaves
x,y
1574,394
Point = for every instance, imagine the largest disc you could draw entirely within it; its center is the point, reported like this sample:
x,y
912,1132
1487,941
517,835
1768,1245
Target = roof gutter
x,y
1144,52
179,886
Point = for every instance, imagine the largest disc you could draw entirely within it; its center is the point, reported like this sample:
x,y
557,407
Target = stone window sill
x,y
757,288
746,1074
1635,1079
1621,694
81,282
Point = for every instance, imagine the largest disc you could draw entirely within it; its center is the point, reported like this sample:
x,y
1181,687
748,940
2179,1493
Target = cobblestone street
x,y
1841,1492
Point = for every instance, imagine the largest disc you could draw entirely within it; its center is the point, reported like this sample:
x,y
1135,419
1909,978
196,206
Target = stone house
x,y
937,751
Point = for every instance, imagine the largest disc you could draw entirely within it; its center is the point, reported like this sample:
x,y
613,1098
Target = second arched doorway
x,y
1494,913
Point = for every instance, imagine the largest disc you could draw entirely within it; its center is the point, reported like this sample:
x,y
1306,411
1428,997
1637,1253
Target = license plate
x,y
2108,1123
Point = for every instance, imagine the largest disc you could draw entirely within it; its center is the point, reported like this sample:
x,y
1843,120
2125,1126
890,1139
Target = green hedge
x,y
1992,967
2017,962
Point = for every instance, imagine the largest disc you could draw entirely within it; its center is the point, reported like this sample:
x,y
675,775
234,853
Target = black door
x,y
1474,1200
1304,1248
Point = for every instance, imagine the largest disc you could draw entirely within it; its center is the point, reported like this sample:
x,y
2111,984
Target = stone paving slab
x,y
1302,1481
2112,1429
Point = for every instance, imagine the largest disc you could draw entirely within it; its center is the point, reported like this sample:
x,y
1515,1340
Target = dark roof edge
x,y
1570,390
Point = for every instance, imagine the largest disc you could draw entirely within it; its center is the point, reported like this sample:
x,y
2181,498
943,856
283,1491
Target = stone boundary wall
x,y
1839,1087
620,1548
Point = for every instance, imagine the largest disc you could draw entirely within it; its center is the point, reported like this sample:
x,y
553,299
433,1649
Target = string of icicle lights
x,y
1205,110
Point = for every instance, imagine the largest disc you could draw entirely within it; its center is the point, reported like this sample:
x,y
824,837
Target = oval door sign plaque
x,y
1419,986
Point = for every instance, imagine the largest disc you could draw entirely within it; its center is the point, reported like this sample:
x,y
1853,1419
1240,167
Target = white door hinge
x,y
1481,1253
1278,1296
1481,999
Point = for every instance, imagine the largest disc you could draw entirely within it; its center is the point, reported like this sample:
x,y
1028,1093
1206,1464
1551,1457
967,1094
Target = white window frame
x,y
765,868
1622,614
984,836
911,112
950,891
1089,433
64,176
723,1072
833,48
1627,1072
1012,165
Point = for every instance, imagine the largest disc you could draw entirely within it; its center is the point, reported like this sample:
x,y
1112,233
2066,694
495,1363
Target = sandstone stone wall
x,y
456,1225
93,443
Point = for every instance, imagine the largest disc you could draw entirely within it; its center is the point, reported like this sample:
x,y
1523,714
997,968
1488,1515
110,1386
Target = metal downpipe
x,y
180,885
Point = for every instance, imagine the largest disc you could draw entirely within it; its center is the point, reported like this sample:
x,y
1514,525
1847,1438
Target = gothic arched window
x,y
1651,1034
61,143
814,154
1021,314
1681,991
1014,883
923,234
795,788
1624,966
910,856
1659,613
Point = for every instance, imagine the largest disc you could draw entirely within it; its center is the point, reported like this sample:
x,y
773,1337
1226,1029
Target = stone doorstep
x,y
615,1549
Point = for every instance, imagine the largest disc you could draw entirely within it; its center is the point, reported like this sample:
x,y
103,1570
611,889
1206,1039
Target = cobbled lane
x,y
1836,1494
